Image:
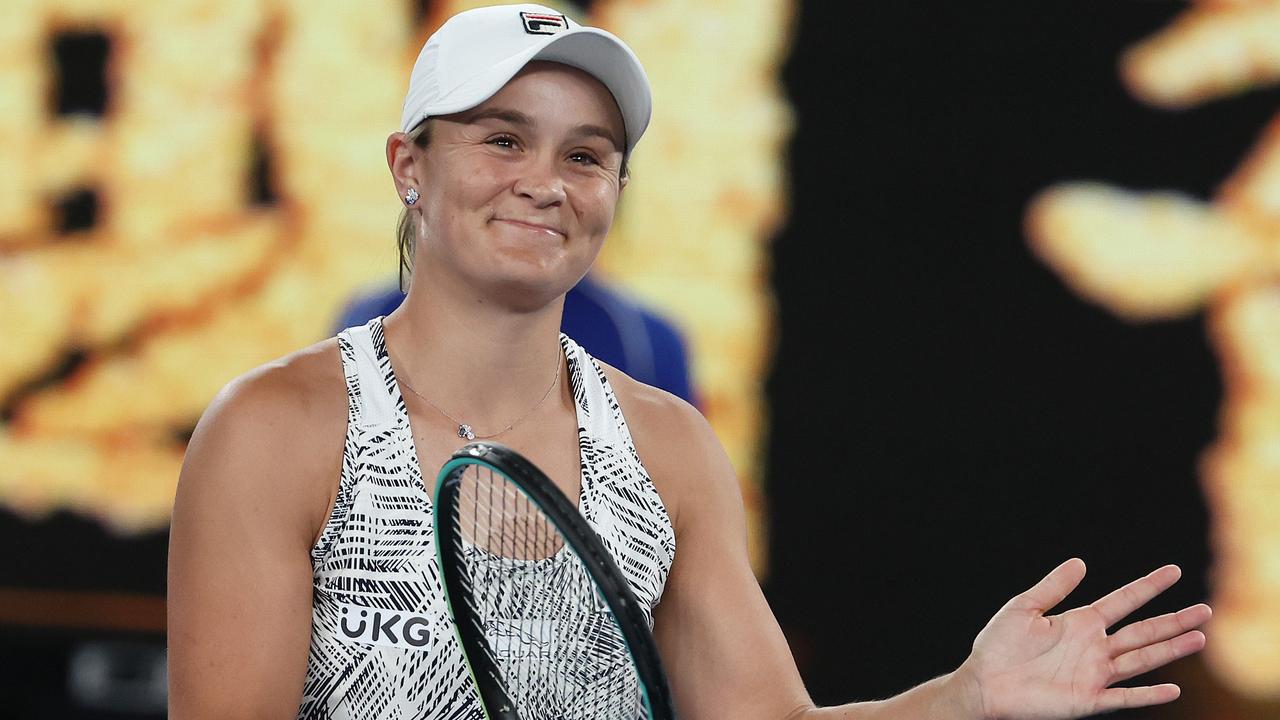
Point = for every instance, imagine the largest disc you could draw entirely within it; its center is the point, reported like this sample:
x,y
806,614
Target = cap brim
x,y
594,51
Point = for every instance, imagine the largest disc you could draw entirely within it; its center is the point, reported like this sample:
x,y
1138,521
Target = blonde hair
x,y
406,238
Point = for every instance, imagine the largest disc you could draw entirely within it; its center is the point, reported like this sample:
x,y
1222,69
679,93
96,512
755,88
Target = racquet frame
x,y
613,587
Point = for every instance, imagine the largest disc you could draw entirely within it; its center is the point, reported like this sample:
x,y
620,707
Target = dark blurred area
x,y
948,421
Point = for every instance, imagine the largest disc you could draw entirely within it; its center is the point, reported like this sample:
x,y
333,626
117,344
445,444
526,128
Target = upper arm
x,y
722,649
239,598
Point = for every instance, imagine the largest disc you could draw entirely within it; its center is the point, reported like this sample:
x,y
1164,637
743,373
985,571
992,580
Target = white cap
x,y
476,52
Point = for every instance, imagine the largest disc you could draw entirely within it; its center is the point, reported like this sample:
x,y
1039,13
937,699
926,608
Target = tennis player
x,y
302,577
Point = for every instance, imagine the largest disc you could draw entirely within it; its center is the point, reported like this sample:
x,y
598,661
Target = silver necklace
x,y
465,431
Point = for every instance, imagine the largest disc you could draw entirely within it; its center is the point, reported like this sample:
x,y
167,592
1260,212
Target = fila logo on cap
x,y
540,24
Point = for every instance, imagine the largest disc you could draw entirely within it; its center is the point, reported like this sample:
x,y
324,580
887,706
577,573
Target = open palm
x,y
1032,666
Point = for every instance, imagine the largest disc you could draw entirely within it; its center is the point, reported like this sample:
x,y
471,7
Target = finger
x,y
1155,629
1119,603
1150,657
1054,588
1118,698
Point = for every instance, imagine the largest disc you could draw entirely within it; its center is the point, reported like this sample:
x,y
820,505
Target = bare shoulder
x,y
275,435
255,483
677,445
652,409
297,382
293,397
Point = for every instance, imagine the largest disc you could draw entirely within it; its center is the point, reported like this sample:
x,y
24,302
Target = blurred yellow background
x,y
185,280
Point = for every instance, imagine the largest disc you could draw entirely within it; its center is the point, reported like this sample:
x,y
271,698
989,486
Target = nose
x,y
540,182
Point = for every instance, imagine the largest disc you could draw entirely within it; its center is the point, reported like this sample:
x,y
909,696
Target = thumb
x,y
1053,589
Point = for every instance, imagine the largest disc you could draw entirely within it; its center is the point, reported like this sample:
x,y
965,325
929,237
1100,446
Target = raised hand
x,y
1027,665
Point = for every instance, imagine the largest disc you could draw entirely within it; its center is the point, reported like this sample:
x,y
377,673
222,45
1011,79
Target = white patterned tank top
x,y
382,644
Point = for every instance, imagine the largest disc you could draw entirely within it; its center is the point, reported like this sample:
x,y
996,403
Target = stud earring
x,y
411,197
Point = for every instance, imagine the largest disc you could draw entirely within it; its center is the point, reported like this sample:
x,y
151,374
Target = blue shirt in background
x,y
612,328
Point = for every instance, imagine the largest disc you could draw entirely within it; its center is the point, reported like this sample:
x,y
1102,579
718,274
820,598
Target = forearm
x,y
948,697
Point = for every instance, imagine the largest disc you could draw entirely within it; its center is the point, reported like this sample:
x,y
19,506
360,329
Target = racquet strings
x,y
554,640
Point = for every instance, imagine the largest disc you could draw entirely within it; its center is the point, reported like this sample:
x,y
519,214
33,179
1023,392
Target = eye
x,y
502,141
584,158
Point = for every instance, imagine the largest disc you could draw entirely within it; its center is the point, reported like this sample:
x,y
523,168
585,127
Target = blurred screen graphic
x,y
1164,254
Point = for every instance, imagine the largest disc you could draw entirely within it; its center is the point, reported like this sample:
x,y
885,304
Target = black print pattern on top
x,y
552,635
382,645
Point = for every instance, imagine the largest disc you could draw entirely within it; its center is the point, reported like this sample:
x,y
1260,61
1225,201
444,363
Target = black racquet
x,y
548,624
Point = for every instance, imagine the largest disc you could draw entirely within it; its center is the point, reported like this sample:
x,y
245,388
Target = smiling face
x,y
518,193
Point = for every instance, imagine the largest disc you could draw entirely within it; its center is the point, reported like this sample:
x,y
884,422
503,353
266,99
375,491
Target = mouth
x,y
532,226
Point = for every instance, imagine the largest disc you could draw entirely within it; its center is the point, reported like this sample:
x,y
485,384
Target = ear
x,y
622,184
402,160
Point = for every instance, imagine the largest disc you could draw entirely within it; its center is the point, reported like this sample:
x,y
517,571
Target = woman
x,y
304,500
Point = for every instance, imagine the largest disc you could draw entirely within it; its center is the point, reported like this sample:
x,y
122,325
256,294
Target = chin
x,y
535,276
528,275
529,288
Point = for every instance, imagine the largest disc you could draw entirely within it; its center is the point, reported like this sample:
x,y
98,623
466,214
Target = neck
x,y
479,363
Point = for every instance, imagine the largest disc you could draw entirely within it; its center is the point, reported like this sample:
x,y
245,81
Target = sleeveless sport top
x,y
382,643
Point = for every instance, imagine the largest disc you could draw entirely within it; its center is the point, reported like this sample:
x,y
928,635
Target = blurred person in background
x,y
612,327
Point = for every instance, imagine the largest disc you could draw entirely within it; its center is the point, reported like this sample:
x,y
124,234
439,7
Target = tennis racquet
x,y
547,622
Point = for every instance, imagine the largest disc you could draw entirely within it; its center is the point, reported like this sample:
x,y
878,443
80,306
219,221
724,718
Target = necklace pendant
x,y
464,431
